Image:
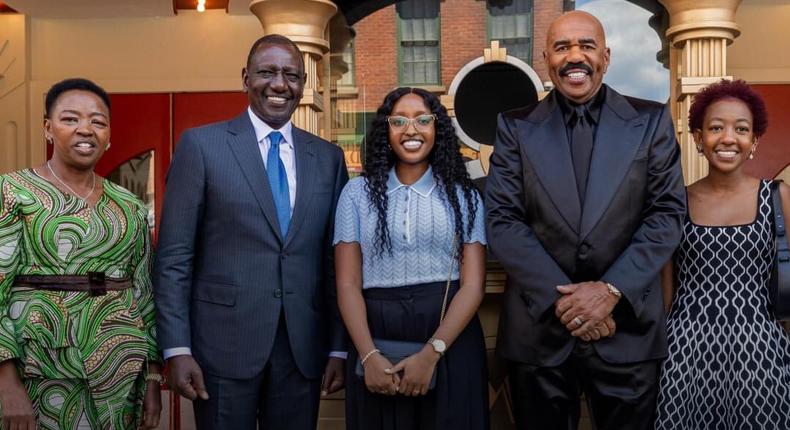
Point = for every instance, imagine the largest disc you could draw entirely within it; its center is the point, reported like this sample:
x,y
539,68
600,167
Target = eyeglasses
x,y
401,123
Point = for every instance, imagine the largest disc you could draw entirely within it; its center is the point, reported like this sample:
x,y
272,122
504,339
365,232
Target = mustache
x,y
571,66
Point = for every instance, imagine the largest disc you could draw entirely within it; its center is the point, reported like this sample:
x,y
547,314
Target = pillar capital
x,y
303,21
701,19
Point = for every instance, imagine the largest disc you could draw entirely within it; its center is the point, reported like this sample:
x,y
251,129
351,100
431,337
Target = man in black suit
x,y
245,297
585,202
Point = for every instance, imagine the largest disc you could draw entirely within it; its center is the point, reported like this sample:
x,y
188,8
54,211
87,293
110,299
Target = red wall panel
x,y
196,109
773,153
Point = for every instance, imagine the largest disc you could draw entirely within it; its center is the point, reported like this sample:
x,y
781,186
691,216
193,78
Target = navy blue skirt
x,y
460,399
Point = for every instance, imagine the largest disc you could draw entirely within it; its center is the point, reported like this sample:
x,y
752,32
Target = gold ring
x,y
578,321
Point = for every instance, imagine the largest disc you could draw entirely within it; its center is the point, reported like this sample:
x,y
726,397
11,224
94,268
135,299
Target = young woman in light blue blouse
x,y
411,220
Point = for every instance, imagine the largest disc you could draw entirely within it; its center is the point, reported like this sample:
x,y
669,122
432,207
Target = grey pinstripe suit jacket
x,y
224,273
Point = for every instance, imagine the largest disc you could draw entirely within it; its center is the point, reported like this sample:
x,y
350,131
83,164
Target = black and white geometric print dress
x,y
729,361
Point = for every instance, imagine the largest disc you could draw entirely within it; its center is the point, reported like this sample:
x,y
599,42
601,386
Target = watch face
x,y
439,345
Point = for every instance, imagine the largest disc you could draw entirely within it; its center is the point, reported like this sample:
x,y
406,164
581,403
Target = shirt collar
x,y
593,105
424,186
262,129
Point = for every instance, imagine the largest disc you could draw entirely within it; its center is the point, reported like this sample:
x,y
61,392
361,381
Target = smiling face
x,y
727,138
79,128
274,82
414,143
576,55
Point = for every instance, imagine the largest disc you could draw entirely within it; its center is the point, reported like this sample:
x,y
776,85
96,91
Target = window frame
x,y
531,31
400,53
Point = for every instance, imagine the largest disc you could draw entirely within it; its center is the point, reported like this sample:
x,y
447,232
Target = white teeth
x,y
277,99
727,154
577,75
84,145
412,144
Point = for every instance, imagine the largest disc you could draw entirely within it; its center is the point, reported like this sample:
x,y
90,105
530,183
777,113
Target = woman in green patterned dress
x,y
77,341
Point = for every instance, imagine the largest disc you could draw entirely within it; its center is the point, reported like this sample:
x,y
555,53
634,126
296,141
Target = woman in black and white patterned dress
x,y
729,359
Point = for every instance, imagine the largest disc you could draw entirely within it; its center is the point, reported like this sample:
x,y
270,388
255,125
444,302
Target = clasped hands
x,y
585,309
382,377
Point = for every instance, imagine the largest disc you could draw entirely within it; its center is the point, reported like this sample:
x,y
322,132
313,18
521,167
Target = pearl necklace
x,y
82,199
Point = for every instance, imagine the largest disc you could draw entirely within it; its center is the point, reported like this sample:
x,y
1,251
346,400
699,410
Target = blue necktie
x,y
278,180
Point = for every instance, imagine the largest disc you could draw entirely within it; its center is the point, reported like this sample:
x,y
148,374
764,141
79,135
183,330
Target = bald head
x,y
572,18
576,55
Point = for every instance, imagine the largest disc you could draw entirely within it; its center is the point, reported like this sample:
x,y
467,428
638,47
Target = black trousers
x,y
620,396
277,398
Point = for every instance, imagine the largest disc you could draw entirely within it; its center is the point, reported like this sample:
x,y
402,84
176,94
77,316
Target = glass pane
x,y
633,71
137,176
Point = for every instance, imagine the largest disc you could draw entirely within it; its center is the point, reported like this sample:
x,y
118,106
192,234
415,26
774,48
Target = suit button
x,y
584,248
278,293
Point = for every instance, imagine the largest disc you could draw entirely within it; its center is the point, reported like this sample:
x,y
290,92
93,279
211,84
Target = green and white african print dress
x,y
81,357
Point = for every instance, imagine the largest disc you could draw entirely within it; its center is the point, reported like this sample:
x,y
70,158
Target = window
x,y
418,35
510,22
347,79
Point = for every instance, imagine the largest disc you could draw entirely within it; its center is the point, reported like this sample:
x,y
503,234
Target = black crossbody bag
x,y
779,285
397,350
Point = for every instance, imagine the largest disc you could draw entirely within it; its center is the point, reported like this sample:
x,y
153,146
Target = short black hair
x,y
73,84
275,39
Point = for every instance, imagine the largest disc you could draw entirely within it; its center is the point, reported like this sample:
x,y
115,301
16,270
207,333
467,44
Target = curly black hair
x,y
445,160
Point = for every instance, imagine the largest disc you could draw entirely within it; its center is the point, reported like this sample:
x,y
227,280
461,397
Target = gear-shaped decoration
x,y
484,87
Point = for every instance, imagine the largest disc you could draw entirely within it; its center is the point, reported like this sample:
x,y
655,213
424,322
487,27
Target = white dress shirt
x,y
288,157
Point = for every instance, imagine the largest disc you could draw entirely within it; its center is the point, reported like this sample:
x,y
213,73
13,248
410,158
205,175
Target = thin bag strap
x,y
449,277
780,282
782,250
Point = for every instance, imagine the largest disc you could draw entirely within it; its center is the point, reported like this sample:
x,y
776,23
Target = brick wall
x,y
464,35
463,38
544,12
376,58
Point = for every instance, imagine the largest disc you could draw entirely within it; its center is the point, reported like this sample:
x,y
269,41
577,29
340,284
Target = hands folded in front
x,y
585,309
409,377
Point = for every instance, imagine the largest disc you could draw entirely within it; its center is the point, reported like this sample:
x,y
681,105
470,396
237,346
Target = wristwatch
x,y
613,291
438,345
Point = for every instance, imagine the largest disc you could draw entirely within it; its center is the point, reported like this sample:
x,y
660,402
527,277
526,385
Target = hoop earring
x,y
49,141
699,150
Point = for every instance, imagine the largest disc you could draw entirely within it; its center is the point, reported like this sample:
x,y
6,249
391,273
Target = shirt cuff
x,y
169,353
339,354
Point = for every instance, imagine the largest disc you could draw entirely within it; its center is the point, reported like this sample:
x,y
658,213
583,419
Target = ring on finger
x,y
578,321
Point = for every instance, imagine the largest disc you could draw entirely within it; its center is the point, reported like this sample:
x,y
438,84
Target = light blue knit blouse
x,y
421,227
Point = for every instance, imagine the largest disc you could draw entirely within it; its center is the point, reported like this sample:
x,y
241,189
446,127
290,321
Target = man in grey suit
x,y
246,309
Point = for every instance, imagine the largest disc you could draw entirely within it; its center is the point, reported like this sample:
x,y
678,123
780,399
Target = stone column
x,y
304,22
699,33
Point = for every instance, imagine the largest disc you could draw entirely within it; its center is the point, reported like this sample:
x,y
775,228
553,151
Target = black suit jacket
x,y
628,228
224,272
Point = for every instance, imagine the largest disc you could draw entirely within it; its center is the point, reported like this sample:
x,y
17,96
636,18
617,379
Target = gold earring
x,y
109,144
699,150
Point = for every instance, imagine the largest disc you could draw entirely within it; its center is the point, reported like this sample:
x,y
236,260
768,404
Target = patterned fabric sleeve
x,y
347,213
10,235
479,227
143,292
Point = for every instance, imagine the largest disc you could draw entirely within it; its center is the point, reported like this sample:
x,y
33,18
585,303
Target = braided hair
x,y
445,160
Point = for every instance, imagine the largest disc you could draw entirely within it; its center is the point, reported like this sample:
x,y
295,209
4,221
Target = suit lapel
x,y
244,146
305,174
619,135
549,153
